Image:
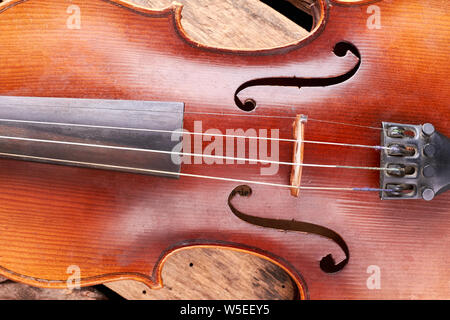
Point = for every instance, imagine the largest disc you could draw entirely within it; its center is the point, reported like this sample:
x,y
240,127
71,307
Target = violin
x,y
124,141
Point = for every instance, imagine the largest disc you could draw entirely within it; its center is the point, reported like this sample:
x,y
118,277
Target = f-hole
x,y
327,263
340,50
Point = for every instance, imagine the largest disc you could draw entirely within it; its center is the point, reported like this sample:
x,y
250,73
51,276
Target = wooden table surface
x,y
205,273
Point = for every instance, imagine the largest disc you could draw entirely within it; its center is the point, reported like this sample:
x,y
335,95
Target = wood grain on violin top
x,y
347,77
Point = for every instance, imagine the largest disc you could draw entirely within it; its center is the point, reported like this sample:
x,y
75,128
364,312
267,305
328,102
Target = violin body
x,y
115,225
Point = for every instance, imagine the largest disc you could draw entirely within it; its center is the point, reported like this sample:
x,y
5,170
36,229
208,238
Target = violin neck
x,y
94,133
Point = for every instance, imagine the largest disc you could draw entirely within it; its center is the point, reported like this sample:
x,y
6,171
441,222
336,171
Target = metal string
x,y
197,155
202,155
279,117
191,175
224,114
197,133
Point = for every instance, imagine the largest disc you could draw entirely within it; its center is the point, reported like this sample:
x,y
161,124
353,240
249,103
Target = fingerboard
x,y
94,133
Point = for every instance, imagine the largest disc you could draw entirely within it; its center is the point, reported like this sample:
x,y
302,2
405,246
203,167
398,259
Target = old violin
x,y
123,140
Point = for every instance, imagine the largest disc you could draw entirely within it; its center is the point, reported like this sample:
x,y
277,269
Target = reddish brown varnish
x,y
122,226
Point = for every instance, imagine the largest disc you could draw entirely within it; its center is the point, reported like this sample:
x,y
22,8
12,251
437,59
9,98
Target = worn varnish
x,y
116,226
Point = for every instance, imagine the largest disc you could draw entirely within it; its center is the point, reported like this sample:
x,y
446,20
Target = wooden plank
x,y
213,274
17,291
248,24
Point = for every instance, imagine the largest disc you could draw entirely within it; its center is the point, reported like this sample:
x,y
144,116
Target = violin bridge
x,y
297,157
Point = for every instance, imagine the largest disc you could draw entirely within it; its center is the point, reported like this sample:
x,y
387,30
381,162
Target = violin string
x,y
346,124
279,117
197,155
176,174
221,114
198,133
